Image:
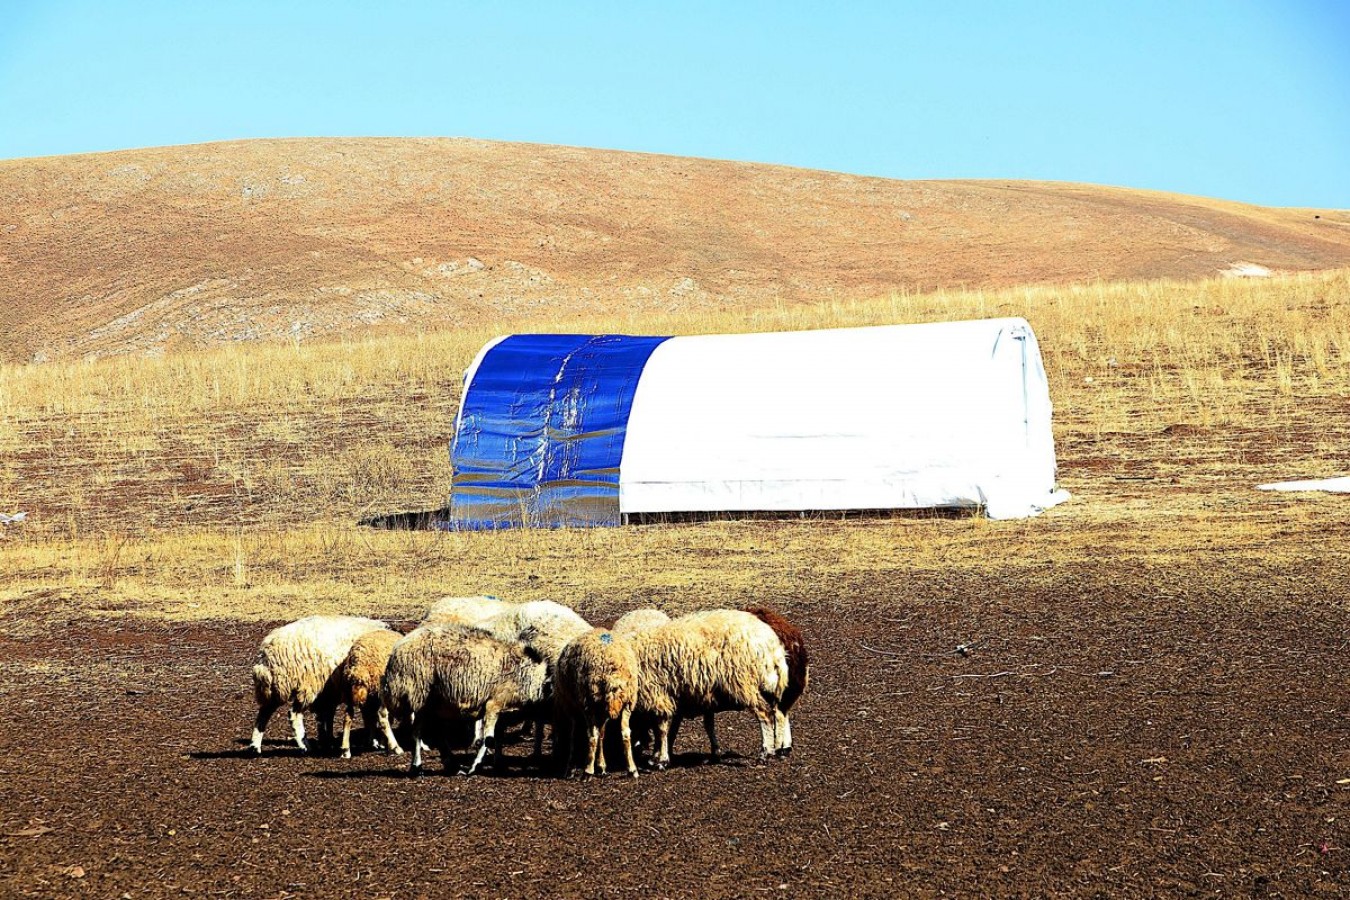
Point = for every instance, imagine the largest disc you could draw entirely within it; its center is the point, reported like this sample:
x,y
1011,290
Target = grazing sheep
x,y
464,610
706,662
298,664
799,669
460,672
543,624
360,677
630,623
596,682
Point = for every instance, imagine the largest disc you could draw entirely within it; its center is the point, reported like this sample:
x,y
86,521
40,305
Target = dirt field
x,y
1118,731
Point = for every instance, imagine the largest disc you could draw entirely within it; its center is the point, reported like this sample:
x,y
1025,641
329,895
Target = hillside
x,y
208,244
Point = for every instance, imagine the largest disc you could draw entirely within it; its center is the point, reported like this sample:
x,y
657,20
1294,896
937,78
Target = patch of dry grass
x,y
225,482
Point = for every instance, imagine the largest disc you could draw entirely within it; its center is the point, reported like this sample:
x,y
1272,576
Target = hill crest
x,y
136,251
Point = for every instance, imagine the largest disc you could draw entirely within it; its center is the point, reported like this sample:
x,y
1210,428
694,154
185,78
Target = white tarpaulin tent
x,y
893,417
1329,485
575,429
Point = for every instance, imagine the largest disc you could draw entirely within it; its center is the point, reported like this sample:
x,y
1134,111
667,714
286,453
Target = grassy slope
x,y
225,482
210,244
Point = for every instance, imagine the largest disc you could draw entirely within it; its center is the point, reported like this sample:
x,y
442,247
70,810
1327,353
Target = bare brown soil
x,y
201,245
1117,731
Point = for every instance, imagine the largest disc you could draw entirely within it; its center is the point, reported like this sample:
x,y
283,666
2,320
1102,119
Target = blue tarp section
x,y
541,431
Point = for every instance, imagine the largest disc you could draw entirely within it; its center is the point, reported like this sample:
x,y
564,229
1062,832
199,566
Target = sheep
x,y
464,610
543,624
706,662
359,680
460,672
297,664
596,681
630,623
799,670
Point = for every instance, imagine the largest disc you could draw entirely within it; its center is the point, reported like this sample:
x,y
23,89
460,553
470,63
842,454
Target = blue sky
x,y
1238,99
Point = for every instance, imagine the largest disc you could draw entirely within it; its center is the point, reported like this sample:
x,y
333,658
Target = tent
x,y
560,429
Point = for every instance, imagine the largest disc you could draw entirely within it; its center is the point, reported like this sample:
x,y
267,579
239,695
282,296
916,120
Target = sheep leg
x,y
324,714
347,731
260,724
593,734
390,742
489,738
627,734
539,740
784,726
675,731
415,730
662,743
298,728
600,748
370,714
768,740
710,726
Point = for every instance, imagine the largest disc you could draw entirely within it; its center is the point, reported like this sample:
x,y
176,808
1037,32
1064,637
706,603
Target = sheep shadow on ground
x,y
278,747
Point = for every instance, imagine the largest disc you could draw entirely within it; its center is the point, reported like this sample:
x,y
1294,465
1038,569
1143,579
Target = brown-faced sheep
x,y
360,677
298,664
706,662
459,672
596,682
799,669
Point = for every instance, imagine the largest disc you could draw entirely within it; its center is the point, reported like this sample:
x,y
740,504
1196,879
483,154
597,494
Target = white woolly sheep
x,y
630,623
707,662
459,672
799,675
464,610
543,624
596,682
359,679
298,664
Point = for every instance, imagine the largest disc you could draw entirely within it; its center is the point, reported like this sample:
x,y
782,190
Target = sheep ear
x,y
532,653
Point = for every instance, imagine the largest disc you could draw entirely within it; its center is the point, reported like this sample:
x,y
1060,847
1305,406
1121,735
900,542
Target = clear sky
x,y
1241,99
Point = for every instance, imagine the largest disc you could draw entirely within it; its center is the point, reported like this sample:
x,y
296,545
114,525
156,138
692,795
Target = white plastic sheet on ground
x,y
1333,485
894,417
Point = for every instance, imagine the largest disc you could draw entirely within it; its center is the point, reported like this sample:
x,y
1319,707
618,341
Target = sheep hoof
x,y
660,766
416,771
466,771
346,754
633,772
784,752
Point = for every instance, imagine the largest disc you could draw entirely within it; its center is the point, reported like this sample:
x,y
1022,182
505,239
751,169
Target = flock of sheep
x,y
479,658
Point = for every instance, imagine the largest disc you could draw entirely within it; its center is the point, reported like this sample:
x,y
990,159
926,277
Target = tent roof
x,y
579,429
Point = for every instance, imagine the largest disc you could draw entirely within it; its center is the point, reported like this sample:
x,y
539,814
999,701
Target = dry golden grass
x,y
226,482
